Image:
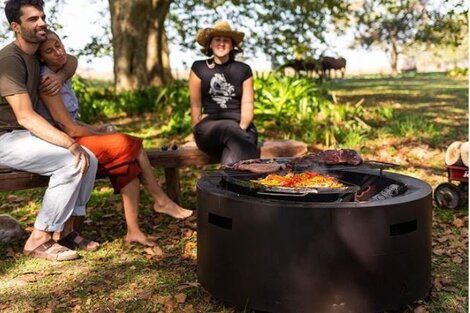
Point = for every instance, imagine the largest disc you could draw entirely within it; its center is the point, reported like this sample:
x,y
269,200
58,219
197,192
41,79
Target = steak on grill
x,y
328,157
257,166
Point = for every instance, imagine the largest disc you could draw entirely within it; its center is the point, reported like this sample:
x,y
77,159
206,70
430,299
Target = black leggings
x,y
225,139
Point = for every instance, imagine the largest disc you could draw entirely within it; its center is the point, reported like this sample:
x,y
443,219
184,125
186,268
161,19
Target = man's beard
x,y
32,36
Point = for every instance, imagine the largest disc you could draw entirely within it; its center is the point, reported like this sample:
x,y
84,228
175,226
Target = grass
x,y
429,112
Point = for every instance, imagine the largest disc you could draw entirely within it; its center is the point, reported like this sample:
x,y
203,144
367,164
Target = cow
x,y
309,67
329,64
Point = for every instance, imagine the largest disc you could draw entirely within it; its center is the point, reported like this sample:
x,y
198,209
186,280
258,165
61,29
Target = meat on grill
x,y
257,166
328,157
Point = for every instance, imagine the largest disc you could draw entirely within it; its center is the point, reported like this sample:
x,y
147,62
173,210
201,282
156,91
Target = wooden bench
x,y
169,160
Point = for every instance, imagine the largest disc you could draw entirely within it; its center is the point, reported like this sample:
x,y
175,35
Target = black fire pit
x,y
285,255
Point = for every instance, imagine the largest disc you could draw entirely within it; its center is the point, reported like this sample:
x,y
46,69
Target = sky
x,y
79,27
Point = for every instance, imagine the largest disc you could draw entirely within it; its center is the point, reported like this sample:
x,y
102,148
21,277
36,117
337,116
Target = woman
x,y
120,156
222,97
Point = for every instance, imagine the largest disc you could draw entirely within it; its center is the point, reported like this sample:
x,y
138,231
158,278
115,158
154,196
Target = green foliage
x,y
398,25
459,72
298,108
279,29
175,101
286,107
95,103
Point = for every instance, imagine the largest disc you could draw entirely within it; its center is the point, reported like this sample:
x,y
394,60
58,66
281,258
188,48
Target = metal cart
x,y
449,195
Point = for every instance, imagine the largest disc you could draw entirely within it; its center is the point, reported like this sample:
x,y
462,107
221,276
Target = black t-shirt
x,y
221,86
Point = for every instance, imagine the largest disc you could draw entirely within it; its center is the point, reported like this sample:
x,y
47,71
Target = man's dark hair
x,y
13,8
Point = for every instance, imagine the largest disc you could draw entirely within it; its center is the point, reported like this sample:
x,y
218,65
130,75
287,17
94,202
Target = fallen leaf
x,y
180,298
420,309
146,294
458,223
152,238
174,226
14,199
76,309
29,277
187,285
438,251
187,233
457,260
168,302
188,308
155,251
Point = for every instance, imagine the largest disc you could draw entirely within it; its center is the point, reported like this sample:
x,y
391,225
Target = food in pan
x,y
306,179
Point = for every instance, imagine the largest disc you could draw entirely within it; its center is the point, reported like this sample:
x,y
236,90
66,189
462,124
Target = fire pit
x,y
350,251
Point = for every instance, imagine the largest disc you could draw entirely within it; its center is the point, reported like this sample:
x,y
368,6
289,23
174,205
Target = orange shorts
x,y
117,156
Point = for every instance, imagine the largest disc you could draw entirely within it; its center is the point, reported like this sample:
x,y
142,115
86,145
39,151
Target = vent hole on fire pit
x,y
403,228
220,221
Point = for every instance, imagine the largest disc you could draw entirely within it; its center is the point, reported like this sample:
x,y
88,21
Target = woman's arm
x,y
247,105
195,98
59,113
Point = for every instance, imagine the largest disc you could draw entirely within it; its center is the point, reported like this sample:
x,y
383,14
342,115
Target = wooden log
x,y
18,180
453,154
464,153
283,148
179,158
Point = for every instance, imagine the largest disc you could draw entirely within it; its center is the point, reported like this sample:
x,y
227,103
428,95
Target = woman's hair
x,y
233,53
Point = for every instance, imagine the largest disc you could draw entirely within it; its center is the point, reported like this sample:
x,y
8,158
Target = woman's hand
x,y
243,126
107,128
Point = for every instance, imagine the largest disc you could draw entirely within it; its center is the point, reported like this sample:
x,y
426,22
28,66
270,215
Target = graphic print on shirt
x,y
220,90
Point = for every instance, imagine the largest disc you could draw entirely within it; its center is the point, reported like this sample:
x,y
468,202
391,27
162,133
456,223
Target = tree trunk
x,y
140,44
394,57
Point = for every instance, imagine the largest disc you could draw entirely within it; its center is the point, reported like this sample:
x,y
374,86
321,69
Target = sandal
x,y
74,241
51,250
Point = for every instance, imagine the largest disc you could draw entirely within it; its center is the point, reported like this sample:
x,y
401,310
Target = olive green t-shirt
x,y
19,73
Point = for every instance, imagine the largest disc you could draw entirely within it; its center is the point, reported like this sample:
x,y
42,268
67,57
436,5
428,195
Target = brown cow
x,y
309,67
329,63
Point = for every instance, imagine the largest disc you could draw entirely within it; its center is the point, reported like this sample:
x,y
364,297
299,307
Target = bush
x,y
285,107
459,72
299,108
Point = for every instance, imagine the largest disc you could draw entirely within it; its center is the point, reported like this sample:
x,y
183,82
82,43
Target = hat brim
x,y
205,35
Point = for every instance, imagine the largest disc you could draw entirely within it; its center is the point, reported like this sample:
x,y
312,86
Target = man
x,y
28,142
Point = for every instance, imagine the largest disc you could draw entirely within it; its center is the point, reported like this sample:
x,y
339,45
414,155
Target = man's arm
x,y
36,124
52,82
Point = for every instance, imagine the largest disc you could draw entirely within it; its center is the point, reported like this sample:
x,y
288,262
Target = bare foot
x,y
139,238
173,210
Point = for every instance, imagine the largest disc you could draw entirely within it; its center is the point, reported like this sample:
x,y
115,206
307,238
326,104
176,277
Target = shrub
x,y
459,72
285,107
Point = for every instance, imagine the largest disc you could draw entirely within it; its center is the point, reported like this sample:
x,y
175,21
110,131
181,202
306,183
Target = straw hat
x,y
220,28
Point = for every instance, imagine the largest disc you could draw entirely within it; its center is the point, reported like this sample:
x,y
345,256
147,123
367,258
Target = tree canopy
x,y
137,33
395,25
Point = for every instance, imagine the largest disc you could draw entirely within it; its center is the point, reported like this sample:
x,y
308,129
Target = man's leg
x,y
24,151
86,186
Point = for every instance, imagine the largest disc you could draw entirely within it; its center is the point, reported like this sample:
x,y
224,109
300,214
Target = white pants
x,y
68,191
